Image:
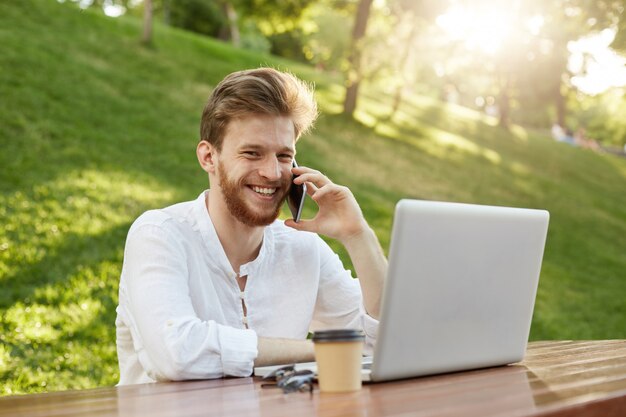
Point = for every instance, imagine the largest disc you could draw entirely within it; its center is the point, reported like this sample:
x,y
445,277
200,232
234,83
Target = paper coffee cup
x,y
338,354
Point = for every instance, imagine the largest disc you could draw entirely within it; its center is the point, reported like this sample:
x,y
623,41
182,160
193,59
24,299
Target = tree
x,y
237,21
412,17
569,20
353,77
166,12
232,23
273,16
146,37
200,16
619,43
530,70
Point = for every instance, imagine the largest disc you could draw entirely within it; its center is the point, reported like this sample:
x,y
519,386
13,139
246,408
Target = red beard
x,y
234,197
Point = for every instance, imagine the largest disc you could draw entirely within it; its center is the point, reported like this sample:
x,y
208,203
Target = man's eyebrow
x,y
255,146
250,146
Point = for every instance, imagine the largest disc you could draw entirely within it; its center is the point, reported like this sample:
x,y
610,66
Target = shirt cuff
x,y
370,328
238,350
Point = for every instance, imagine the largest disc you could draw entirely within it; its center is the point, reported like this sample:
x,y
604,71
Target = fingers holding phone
x,y
339,215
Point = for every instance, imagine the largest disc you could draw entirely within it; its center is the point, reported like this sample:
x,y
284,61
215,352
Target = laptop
x,y
460,289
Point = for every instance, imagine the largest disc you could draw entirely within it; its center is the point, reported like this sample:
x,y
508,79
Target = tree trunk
x,y
146,37
408,46
559,102
504,101
560,66
397,99
354,71
233,28
166,12
503,109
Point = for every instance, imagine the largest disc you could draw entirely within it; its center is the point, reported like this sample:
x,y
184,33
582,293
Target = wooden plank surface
x,y
557,378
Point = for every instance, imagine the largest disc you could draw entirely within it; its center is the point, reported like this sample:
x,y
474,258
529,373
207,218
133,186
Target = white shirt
x,y
180,313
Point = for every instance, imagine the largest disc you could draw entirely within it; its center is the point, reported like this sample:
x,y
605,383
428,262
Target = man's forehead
x,y
258,119
262,131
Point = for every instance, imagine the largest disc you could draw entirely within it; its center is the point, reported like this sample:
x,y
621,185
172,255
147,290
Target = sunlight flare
x,y
480,29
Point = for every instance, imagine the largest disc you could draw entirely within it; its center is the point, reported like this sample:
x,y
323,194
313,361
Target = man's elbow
x,y
176,367
179,372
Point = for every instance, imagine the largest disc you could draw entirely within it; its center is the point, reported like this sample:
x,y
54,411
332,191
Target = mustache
x,y
283,183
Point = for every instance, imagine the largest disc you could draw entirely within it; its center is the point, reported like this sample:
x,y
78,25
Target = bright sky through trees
x,y
526,61
603,67
487,30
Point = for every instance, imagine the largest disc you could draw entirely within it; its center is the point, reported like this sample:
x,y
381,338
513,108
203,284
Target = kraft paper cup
x,y
338,354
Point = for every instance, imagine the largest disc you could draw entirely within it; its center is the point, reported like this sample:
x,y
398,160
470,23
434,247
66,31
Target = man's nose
x,y
270,169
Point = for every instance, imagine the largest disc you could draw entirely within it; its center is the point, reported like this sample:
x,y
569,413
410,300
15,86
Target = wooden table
x,y
555,379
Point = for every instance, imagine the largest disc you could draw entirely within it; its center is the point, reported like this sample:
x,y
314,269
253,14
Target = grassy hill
x,y
95,129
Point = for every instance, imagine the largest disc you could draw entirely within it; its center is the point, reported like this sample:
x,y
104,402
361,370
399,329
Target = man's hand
x,y
339,216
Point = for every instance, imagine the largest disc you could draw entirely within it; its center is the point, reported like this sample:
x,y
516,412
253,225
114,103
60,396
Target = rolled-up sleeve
x,y
340,300
170,340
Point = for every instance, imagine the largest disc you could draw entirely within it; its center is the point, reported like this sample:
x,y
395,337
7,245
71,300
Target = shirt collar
x,y
214,246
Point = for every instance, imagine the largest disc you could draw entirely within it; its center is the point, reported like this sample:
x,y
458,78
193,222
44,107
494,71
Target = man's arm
x,y
371,267
170,341
274,351
340,217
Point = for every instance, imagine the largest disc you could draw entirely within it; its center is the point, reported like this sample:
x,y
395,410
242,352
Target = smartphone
x,y
295,199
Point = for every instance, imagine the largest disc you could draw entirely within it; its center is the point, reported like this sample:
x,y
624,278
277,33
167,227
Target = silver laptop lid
x,y
460,287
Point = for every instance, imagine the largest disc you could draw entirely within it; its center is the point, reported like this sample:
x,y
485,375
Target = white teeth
x,y
266,191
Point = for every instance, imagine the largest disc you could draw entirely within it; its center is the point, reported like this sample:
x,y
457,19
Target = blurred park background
x,y
516,103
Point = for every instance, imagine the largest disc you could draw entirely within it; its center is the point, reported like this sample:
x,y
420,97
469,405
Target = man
x,y
216,286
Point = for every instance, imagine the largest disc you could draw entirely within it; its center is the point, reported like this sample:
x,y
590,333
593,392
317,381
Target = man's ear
x,y
207,156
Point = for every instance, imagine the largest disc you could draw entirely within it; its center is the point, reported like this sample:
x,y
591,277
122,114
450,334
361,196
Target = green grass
x,y
95,129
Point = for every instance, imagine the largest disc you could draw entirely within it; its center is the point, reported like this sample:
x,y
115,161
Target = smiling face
x,y
253,169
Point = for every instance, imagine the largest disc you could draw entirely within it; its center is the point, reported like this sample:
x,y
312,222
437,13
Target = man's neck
x,y
241,242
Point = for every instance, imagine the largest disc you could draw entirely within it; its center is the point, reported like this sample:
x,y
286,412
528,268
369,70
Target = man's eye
x,y
251,153
285,157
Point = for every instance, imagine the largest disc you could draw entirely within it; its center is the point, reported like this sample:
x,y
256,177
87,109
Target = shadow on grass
x,y
76,358
79,353
56,266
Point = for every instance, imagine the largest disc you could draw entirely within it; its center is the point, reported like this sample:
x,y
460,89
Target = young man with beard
x,y
215,286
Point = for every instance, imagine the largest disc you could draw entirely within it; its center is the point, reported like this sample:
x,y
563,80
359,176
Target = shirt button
x,y
241,295
245,321
169,323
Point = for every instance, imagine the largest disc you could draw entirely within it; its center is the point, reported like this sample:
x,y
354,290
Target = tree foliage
x,y
399,45
200,16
